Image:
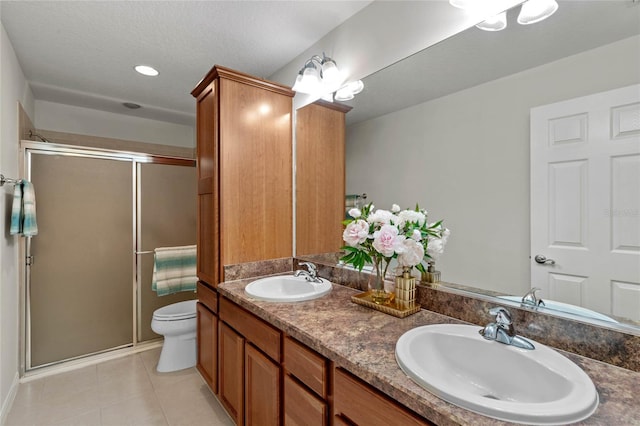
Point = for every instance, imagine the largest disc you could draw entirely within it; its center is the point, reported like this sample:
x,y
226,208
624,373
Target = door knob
x,y
543,260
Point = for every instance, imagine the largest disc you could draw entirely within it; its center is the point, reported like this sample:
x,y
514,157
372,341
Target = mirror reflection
x,y
450,127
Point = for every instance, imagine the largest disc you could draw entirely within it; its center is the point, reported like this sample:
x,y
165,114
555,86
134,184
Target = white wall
x,y
72,119
13,89
465,158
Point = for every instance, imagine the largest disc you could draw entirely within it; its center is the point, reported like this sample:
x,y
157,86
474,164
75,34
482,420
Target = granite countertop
x,y
362,341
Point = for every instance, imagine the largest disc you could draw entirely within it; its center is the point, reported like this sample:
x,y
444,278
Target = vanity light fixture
x,y
146,70
531,11
318,75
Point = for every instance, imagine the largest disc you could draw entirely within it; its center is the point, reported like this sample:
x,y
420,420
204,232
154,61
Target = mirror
x,y
449,128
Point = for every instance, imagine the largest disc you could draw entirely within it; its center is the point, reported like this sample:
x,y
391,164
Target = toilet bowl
x,y
177,323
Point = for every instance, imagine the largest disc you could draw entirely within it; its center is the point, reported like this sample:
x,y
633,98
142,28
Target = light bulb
x,y
495,23
536,10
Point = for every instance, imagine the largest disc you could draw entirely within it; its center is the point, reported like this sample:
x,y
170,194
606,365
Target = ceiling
x,y
473,57
82,52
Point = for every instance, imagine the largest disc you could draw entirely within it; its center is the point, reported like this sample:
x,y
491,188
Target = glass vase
x,y
379,295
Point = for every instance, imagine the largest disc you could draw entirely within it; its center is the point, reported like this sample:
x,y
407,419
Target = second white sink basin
x,y
457,364
287,288
565,307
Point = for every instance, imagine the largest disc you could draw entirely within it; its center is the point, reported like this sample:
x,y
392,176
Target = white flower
x,y
411,253
416,235
355,213
436,245
384,217
356,233
395,208
387,240
411,216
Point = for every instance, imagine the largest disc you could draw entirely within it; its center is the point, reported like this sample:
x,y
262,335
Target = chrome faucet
x,y
503,331
311,275
532,299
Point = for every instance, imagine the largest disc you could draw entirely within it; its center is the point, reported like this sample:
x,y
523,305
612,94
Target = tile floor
x,y
125,391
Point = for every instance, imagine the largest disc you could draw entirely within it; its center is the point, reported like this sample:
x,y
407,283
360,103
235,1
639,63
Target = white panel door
x,y
585,201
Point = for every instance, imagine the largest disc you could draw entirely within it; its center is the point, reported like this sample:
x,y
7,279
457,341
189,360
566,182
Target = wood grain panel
x,y
364,405
320,179
231,372
306,365
207,296
301,407
255,172
208,181
255,330
207,336
262,389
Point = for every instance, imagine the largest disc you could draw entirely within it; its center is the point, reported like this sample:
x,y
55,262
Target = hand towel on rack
x,y
23,210
174,270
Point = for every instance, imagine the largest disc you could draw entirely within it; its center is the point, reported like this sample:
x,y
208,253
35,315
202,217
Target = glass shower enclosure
x,y
88,271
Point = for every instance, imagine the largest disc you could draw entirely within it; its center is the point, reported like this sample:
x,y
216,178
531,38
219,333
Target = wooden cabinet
x,y
306,385
244,153
320,177
207,335
262,388
249,351
301,407
231,377
357,403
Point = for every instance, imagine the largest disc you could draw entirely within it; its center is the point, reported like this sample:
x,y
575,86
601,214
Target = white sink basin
x,y
287,288
457,364
565,307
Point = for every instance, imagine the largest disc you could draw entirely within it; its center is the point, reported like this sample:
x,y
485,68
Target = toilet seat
x,y
176,311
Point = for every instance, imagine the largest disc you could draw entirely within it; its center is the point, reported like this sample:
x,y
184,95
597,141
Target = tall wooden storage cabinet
x,y
320,177
244,152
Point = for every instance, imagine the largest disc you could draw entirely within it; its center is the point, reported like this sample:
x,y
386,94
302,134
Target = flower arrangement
x,y
378,236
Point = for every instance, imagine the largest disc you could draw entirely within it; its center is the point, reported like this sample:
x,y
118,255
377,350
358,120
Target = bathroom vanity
x,y
329,361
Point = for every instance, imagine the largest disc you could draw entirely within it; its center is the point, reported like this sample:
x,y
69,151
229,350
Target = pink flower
x,y
356,233
386,240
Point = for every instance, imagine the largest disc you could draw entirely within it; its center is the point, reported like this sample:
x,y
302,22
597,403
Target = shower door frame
x,y
27,149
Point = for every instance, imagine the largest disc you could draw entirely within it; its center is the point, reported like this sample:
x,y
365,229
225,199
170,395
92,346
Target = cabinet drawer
x,y
306,365
363,405
301,407
255,330
207,296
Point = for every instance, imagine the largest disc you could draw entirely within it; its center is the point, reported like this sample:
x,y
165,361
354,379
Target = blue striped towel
x,y
174,270
23,210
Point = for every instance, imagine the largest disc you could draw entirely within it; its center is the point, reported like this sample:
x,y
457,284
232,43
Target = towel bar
x,y
4,180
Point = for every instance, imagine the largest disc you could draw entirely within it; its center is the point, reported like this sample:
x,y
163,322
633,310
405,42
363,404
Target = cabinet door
x,y
320,177
262,389
208,194
207,346
231,368
301,407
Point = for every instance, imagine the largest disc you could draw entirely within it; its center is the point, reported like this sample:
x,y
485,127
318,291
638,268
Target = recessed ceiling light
x,y
146,70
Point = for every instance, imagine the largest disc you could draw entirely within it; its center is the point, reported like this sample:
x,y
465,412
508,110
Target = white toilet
x,y
177,323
